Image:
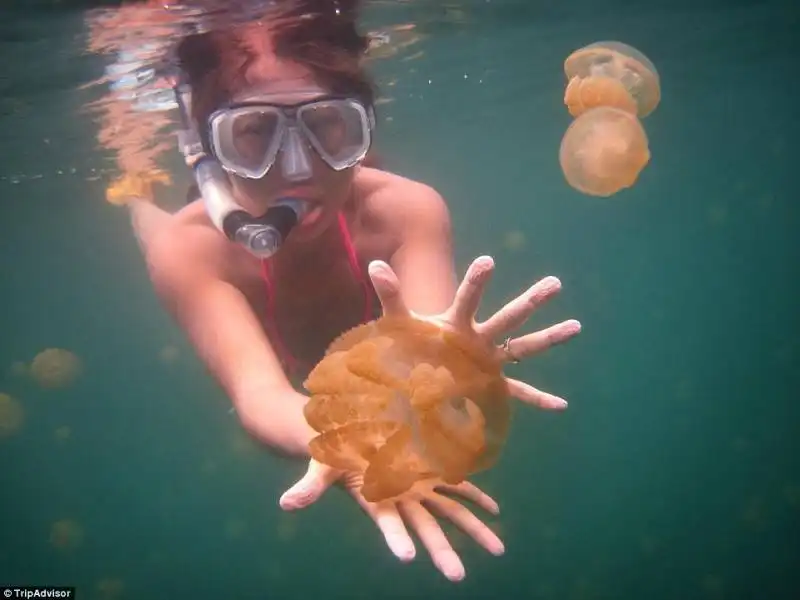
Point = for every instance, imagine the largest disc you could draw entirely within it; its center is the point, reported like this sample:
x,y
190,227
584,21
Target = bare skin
x,y
215,291
459,317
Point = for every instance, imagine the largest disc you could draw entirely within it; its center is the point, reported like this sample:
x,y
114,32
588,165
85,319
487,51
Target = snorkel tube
x,y
261,236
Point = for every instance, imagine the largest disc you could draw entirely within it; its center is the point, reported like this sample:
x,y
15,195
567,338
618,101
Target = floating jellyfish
x,y
287,527
109,588
63,433
235,528
55,368
243,444
514,240
402,401
611,69
610,87
604,151
66,534
12,416
168,354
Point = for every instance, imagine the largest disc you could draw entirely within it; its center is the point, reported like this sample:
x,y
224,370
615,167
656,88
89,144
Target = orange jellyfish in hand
x,y
610,87
402,401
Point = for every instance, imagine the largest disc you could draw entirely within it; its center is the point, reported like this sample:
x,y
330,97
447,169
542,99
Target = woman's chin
x,y
313,223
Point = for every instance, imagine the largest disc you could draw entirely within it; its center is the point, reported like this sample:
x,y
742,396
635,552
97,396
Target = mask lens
x,y
246,140
338,130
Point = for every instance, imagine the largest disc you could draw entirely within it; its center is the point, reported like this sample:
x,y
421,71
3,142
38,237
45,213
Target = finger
x,y
516,312
387,287
391,525
530,395
535,343
473,493
469,292
311,486
430,533
468,522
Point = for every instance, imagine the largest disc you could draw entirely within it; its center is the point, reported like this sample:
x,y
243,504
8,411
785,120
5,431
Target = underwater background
x,y
674,474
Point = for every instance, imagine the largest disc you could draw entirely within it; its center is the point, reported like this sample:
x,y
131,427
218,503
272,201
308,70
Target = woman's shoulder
x,y
189,243
398,201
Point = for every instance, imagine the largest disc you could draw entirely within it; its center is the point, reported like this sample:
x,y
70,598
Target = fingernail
x,y
377,266
404,552
482,267
498,549
455,572
552,283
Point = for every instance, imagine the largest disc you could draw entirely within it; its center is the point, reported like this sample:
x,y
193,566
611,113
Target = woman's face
x,y
282,83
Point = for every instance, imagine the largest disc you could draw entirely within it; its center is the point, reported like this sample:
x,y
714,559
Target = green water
x,y
674,473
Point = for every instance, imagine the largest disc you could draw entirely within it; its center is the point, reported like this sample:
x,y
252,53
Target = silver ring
x,y
507,349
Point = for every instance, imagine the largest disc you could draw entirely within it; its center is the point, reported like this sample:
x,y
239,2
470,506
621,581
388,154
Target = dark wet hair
x,y
321,35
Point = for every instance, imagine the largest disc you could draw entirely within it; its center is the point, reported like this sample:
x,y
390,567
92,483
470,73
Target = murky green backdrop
x,y
674,473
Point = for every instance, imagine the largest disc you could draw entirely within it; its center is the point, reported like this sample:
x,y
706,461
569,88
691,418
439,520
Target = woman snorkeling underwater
x,y
278,126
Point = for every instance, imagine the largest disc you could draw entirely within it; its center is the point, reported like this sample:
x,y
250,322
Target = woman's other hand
x,y
414,509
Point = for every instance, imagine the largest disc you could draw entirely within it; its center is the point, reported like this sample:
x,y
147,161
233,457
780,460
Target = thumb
x,y
311,486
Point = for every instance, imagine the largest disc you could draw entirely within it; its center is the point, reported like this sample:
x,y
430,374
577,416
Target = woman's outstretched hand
x,y
460,317
393,516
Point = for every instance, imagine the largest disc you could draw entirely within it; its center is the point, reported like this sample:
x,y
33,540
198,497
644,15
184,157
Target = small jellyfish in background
x,y
243,444
611,86
611,74
12,416
109,588
209,467
287,527
63,433
791,493
713,586
604,151
66,534
168,354
514,241
235,528
55,368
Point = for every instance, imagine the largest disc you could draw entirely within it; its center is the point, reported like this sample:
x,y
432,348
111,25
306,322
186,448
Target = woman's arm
x,y
228,338
423,260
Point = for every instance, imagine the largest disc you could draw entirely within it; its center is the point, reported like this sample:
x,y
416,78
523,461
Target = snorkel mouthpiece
x,y
261,236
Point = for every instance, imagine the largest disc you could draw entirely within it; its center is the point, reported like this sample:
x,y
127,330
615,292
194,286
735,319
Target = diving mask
x,y
261,235
249,137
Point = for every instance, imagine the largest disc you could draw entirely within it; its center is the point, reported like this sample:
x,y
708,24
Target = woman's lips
x,y
312,216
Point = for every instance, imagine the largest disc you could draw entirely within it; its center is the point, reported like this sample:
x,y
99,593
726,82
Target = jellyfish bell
x,y
12,416
55,368
604,151
66,534
403,402
610,60
584,94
